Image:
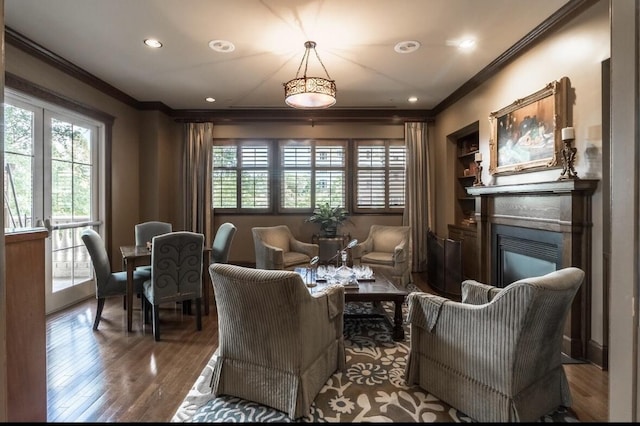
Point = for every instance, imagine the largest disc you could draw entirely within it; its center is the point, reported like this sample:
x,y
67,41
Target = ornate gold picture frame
x,y
526,135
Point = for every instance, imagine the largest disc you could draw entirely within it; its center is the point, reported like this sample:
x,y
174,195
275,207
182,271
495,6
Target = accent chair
x,y
386,247
497,355
278,343
277,248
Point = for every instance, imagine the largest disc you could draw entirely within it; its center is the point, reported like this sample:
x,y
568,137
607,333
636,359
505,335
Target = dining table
x,y
134,256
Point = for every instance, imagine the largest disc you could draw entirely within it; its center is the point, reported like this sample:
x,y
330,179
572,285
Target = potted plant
x,y
329,218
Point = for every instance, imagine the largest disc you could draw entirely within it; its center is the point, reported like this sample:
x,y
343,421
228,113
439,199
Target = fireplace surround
x,y
534,228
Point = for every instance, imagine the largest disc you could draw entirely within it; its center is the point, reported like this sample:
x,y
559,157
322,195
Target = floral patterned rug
x,y
371,389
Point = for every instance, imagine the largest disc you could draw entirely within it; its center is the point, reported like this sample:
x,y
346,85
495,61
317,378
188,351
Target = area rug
x,y
370,389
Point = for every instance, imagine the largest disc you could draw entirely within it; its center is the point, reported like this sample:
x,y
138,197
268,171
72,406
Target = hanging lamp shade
x,y
310,92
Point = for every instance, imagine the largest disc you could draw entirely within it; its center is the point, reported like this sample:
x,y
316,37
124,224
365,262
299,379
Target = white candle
x,y
568,133
478,156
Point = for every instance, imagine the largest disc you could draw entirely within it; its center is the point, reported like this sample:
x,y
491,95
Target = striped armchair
x,y
278,344
496,356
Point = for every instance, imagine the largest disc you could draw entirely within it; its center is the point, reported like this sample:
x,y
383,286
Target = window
x,y
313,173
295,176
380,176
241,176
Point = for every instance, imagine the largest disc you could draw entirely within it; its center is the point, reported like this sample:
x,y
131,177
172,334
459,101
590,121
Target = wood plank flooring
x,y
114,376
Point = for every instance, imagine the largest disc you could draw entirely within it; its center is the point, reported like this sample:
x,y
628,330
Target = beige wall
x,y
576,51
160,165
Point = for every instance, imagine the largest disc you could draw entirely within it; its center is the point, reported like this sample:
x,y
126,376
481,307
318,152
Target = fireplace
x,y
531,229
523,252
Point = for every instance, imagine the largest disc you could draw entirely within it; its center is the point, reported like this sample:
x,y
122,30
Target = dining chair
x,y
108,283
176,274
222,243
144,233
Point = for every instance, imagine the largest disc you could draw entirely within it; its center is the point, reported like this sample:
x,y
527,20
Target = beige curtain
x,y
197,179
418,205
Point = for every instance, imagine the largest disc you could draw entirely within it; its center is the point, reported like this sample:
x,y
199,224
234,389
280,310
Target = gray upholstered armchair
x,y
278,344
389,248
277,248
496,356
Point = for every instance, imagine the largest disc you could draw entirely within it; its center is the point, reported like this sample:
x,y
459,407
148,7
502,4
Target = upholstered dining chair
x,y
278,343
108,283
277,248
386,247
144,233
176,274
497,355
222,243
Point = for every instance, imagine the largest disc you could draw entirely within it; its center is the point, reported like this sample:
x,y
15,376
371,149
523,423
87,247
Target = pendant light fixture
x,y
310,92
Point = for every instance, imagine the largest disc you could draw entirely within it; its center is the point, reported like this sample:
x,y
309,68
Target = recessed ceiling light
x,y
152,42
413,99
467,44
222,46
463,43
407,46
210,99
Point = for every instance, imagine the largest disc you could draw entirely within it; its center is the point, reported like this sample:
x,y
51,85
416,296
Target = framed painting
x,y
526,135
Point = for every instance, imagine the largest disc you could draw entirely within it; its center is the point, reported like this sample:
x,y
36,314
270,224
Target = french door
x,y
52,179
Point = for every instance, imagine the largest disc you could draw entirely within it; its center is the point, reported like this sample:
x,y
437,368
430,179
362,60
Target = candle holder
x,y
478,180
568,157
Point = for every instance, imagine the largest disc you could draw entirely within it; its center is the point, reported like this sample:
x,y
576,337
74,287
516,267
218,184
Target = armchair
x,y
304,344
277,248
387,247
495,356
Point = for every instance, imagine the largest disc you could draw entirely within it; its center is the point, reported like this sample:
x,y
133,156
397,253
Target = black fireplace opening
x,y
523,253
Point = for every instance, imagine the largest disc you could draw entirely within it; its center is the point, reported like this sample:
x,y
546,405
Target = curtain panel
x,y
197,165
419,181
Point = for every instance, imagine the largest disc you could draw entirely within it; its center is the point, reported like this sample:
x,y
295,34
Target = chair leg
x,y
98,312
156,322
145,310
199,313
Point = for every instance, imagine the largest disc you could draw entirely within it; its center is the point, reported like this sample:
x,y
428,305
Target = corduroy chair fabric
x,y
277,248
278,344
389,248
495,356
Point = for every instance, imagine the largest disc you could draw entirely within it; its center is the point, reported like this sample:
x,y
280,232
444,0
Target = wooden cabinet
x,y
467,235
444,264
26,327
465,169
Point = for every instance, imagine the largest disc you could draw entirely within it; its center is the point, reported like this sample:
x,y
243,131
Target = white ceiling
x,y
355,40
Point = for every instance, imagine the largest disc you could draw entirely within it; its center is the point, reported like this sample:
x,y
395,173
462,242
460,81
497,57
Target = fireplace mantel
x,y
562,207
557,186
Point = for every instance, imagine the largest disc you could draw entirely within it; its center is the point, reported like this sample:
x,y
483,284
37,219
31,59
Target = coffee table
x,y
380,289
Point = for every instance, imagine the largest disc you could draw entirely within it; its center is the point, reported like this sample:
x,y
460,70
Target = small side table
x,y
329,246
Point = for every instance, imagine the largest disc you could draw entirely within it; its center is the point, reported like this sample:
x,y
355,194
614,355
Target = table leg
x,y
398,329
130,267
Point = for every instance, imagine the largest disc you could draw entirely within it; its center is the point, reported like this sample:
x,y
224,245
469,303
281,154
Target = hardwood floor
x,y
113,376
